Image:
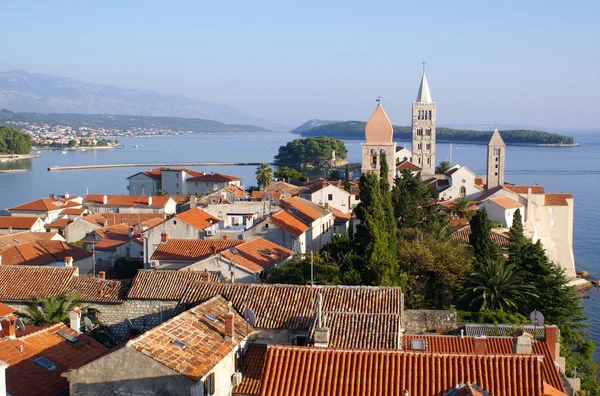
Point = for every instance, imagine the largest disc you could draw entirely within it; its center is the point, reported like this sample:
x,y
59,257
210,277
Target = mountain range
x,y
21,91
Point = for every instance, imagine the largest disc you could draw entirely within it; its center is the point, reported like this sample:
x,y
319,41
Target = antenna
x,y
128,323
537,319
20,325
378,99
89,326
250,316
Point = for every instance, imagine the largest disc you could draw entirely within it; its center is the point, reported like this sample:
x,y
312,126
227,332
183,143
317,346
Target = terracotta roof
x,y
479,181
524,189
315,187
507,203
257,254
131,219
362,330
232,191
557,199
302,208
42,253
288,223
339,217
252,370
204,339
408,165
198,218
59,223
462,234
260,195
98,290
191,249
322,371
17,223
214,177
292,307
126,200
24,377
18,238
73,211
45,205
284,187
166,284
5,309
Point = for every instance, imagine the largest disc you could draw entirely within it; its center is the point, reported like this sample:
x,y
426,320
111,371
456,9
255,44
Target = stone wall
x,y
419,321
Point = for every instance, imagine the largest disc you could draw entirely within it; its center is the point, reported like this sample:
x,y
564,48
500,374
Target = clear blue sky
x,y
523,62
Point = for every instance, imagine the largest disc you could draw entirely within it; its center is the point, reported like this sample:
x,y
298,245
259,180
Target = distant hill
x,y
21,91
356,130
127,122
312,124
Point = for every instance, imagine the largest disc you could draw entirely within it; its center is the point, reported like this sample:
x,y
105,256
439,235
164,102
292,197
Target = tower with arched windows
x,y
423,129
378,139
496,151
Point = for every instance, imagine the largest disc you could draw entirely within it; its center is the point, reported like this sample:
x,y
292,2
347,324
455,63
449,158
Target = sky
x,y
530,63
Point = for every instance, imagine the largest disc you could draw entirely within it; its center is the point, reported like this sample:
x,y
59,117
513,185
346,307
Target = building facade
x,y
423,129
378,140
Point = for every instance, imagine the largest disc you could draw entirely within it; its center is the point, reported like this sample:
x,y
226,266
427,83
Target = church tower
x,y
495,160
378,135
423,129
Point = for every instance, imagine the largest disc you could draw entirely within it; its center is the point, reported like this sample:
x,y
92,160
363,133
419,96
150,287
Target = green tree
x,y
72,143
312,151
347,178
410,200
161,193
51,310
13,141
287,173
497,285
298,272
334,175
516,236
463,207
442,167
126,268
386,199
264,175
480,237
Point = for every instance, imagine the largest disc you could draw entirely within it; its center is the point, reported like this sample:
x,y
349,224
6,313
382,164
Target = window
x,y
206,184
428,132
209,384
174,222
196,184
419,146
551,222
330,197
549,210
357,197
428,161
420,132
496,151
266,225
428,146
463,191
177,184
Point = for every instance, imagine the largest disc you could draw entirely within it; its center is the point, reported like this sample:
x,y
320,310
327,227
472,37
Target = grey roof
x,y
500,330
424,96
496,139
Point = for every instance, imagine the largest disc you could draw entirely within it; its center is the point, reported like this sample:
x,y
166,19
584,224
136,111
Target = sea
x,y
574,170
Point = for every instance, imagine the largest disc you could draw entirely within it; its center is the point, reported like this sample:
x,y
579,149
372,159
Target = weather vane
x,y
378,99
423,63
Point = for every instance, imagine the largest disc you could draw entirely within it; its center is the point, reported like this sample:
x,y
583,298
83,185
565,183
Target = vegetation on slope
x,y
13,141
313,151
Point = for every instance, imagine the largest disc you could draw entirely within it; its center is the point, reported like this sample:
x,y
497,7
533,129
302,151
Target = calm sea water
x,y
565,169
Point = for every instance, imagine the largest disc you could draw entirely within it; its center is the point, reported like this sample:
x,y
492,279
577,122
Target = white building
x,y
326,194
502,209
283,229
98,203
318,219
460,183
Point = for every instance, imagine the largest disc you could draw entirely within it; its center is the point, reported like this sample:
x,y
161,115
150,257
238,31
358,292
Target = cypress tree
x,y
480,237
347,178
516,236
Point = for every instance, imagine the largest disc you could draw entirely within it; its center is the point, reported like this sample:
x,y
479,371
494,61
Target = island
x,y
312,152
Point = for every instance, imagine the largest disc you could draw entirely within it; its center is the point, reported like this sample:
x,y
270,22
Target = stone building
x,y
378,140
423,129
495,160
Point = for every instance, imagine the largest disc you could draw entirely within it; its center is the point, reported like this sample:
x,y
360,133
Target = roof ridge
x,y
48,328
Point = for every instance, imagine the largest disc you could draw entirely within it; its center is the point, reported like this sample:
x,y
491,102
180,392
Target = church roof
x,y
379,128
496,139
424,96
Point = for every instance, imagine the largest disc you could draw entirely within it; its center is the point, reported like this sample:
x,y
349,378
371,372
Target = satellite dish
x,y
128,323
20,325
233,250
250,316
89,326
537,318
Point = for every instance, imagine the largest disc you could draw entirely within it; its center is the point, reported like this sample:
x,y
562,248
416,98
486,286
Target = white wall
x,y
463,177
334,196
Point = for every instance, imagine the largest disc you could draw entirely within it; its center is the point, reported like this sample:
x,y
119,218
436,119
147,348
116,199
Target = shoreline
x,y
152,165
16,157
79,148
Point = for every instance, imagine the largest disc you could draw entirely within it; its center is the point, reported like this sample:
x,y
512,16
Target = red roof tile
x,y
557,199
191,250
42,253
18,238
462,234
73,211
98,290
45,205
260,195
17,223
214,177
524,189
126,200
339,216
5,309
59,223
24,377
288,223
285,188
166,284
507,203
252,370
257,254
408,165
198,218
302,208
131,219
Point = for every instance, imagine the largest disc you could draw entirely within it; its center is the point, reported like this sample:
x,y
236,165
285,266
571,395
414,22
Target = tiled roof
x,y
198,218
318,186
507,203
288,223
5,309
524,189
494,346
557,199
302,208
42,253
408,165
339,216
293,306
73,211
214,177
18,238
166,284
231,191
24,377
191,249
257,254
260,195
317,371
284,187
204,339
98,290
478,181
126,200
252,370
131,219
362,330
462,234
45,205
59,223
17,223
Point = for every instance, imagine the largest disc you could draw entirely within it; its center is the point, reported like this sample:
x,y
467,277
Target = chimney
x,y
67,195
551,339
522,344
105,223
321,333
225,237
130,232
232,276
10,230
164,237
68,261
193,201
205,276
0,259
75,317
9,326
3,367
101,275
150,200
213,249
480,345
104,200
228,319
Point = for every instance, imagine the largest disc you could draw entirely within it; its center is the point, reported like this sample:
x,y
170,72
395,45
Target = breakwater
x,y
171,165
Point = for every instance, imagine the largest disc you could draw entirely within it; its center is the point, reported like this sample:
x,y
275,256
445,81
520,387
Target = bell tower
x,y
496,151
378,139
423,129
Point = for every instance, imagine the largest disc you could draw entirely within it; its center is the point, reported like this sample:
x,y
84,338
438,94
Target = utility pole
x,y
312,270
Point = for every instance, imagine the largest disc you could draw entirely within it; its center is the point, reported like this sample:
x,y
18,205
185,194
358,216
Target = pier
x,y
177,165
12,170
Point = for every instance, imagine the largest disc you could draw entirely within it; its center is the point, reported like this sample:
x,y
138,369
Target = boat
x,y
38,152
64,152
83,150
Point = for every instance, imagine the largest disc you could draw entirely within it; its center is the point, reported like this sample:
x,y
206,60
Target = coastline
x,y
79,148
16,157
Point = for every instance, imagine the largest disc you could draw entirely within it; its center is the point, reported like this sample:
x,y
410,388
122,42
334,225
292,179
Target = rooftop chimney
x,y
480,345
9,326
75,317
522,344
130,232
3,367
102,275
104,200
164,237
205,276
213,249
228,319
551,339
68,261
193,201
10,230
321,334
150,200
225,237
67,195
105,222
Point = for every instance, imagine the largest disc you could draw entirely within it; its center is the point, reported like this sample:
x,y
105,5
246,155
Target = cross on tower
x,y
378,99
423,63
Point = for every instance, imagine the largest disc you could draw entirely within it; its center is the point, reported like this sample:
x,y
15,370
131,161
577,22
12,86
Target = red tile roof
x,y
408,165
204,339
252,370
127,200
166,284
288,223
42,253
18,238
5,309
257,254
316,371
45,205
339,216
302,208
285,188
214,177
198,218
462,234
73,211
191,249
131,219
507,203
17,223
59,223
260,195
293,306
559,199
524,189
24,377
98,290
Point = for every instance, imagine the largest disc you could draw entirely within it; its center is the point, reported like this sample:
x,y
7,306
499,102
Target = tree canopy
x,y
264,175
13,141
313,151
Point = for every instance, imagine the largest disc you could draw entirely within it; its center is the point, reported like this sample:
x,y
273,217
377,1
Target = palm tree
x,y
442,167
264,175
497,285
51,310
334,175
161,192
463,207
